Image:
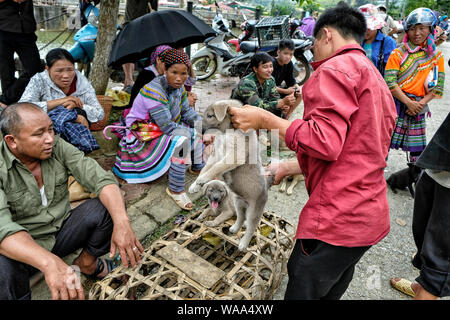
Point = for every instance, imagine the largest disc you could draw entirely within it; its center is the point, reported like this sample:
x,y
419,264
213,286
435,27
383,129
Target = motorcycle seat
x,y
249,46
209,39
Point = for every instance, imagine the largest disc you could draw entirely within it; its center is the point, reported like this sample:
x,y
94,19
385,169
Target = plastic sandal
x,y
182,200
403,286
100,267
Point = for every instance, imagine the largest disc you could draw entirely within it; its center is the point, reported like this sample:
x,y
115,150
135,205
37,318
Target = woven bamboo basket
x,y
195,262
106,103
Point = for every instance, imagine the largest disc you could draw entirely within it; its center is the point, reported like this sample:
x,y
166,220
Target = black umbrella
x,y
141,36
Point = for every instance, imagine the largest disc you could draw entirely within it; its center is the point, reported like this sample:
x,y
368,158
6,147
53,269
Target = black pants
x,y
318,270
431,231
24,44
89,226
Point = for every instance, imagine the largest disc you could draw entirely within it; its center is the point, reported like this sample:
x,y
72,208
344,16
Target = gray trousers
x,y
89,227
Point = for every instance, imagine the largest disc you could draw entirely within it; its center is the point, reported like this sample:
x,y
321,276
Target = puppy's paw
x,y
243,244
210,224
194,188
234,228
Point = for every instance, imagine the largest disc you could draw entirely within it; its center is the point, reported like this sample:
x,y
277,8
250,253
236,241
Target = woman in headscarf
x,y
415,75
377,45
156,68
163,103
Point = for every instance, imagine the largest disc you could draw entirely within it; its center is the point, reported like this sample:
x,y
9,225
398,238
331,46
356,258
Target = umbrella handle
x,y
111,127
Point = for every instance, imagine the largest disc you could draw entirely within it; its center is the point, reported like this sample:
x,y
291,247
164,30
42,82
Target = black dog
x,y
404,179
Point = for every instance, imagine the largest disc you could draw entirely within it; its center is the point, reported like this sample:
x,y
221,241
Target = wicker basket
x,y
106,103
194,262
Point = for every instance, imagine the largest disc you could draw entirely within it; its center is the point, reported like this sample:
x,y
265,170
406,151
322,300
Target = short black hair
x,y
58,54
286,44
349,22
382,8
260,58
10,119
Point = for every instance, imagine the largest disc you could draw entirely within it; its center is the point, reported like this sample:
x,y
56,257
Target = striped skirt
x,y
140,162
409,132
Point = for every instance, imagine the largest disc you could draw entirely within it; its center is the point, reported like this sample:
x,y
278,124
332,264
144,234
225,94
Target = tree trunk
x,y
107,25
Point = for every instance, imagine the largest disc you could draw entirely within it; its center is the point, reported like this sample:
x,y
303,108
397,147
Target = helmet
x,y
420,16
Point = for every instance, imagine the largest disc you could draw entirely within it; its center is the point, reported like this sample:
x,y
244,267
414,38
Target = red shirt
x,y
341,145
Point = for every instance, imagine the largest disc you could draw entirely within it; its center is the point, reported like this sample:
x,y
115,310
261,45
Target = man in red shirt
x,y
341,145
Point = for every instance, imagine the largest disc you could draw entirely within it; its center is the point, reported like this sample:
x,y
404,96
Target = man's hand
x,y
64,283
289,99
280,170
124,240
246,118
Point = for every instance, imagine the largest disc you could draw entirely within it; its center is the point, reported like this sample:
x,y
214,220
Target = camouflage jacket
x,y
249,91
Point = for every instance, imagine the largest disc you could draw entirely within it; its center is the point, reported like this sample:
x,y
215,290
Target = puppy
x,y
235,157
404,179
295,179
221,203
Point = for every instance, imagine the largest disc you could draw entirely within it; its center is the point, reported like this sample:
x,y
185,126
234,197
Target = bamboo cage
x,y
195,262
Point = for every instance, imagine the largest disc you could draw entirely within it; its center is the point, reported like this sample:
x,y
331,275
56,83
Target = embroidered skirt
x,y
140,162
410,131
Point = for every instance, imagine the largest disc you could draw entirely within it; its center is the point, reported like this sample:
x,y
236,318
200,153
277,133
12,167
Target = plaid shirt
x,y
75,133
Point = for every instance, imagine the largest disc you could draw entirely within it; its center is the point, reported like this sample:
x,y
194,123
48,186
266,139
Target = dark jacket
x,y
17,17
436,155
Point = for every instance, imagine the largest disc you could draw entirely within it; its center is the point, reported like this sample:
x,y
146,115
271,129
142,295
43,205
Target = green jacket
x,y
20,199
249,91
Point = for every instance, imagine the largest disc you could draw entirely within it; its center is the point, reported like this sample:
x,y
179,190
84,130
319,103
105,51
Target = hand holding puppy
x,y
246,118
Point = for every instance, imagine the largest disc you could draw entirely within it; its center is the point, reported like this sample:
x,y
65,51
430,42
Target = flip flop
x,y
182,200
110,265
403,286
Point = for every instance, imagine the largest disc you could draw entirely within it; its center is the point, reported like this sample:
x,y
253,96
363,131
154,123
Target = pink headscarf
x,y
155,54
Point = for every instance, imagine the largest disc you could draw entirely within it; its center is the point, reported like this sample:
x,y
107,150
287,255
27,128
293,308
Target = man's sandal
x,y
182,200
110,265
403,286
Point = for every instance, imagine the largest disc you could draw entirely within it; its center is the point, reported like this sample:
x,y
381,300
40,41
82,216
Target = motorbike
x,y
83,49
248,28
218,55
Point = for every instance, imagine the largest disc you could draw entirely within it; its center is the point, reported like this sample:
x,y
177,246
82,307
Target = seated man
x,y
283,71
37,225
258,88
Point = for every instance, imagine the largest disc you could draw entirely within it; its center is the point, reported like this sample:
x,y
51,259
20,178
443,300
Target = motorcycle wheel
x,y
304,69
204,67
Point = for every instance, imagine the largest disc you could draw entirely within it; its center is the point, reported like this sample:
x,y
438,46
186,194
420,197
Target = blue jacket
x,y
388,47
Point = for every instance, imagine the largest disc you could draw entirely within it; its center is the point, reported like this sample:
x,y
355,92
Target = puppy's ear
x,y
220,110
205,187
227,189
